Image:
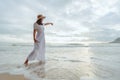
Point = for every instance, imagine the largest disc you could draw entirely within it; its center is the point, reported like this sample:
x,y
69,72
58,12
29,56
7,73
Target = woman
x,y
38,52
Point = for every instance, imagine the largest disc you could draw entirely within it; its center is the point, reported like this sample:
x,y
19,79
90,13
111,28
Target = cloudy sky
x,y
74,20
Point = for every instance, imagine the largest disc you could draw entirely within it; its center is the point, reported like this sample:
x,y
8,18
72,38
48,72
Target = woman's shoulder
x,y
35,25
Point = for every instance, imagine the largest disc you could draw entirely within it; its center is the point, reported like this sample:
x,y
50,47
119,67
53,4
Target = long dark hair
x,y
39,21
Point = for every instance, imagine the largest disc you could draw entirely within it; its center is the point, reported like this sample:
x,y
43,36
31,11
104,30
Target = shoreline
x,y
7,76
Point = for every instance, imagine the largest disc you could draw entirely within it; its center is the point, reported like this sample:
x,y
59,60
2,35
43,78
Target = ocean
x,y
63,61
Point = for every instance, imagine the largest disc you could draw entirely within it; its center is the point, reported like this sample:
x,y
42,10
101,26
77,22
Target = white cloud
x,y
74,20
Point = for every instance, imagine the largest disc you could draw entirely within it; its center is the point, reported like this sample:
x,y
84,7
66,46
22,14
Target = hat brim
x,y
42,17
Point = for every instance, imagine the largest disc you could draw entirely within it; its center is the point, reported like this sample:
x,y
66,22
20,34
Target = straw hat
x,y
40,16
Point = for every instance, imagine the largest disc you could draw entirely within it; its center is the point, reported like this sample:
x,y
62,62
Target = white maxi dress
x,y
38,52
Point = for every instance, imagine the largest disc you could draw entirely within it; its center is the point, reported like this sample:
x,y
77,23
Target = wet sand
x,y
6,76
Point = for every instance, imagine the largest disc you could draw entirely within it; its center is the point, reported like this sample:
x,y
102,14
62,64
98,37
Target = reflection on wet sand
x,y
37,69
74,68
84,63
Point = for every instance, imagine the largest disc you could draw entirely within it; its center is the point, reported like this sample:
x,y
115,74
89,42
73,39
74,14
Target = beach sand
x,y
6,76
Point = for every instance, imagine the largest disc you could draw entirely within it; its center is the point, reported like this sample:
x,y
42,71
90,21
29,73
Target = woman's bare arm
x,y
34,35
48,23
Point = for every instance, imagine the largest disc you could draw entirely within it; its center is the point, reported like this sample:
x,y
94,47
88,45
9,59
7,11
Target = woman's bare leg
x,y
26,62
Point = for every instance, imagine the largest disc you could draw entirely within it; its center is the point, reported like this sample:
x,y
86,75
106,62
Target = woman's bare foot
x,y
26,63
